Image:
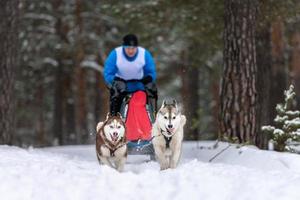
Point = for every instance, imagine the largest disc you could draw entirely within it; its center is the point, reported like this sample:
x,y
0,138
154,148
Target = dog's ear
x,y
108,115
163,104
99,125
119,115
174,102
183,120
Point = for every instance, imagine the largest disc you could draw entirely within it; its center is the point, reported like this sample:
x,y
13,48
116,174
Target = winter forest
x,y
53,52
209,55
233,67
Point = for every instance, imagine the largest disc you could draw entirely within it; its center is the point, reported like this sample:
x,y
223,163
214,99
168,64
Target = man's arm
x,y
149,68
110,68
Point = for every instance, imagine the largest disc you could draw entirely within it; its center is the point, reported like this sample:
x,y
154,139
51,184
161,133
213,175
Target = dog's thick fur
x,y
111,145
167,133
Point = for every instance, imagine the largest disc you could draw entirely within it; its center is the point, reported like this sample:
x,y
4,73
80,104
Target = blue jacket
x,y
111,68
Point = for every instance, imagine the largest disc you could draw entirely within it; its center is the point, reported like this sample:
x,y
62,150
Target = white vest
x,y
130,69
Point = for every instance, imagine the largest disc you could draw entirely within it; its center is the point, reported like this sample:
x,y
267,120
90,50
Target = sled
x,y
139,115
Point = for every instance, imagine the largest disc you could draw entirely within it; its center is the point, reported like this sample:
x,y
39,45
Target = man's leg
x,y
116,103
151,91
117,94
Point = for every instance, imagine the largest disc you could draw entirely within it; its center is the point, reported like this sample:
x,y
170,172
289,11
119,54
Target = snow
x,y
268,128
92,64
289,94
72,172
279,119
290,112
293,122
40,16
278,132
50,61
280,109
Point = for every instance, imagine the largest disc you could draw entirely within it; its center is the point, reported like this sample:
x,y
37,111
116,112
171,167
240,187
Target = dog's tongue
x,y
114,138
170,130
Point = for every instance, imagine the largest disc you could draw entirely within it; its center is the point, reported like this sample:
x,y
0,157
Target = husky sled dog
x,y
111,145
167,133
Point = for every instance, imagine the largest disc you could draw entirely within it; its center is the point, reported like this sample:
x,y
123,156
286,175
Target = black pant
x,y
116,99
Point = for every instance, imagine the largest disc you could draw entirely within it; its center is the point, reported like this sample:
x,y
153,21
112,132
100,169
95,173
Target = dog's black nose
x,y
170,126
115,134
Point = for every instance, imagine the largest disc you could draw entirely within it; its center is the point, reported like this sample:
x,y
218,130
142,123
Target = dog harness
x,y
109,146
112,151
167,139
112,148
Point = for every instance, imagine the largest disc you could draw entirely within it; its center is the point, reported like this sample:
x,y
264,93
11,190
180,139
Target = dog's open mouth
x,y
170,131
114,138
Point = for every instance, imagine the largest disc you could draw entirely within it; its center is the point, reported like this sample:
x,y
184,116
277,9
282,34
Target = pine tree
x,y
238,95
287,130
8,64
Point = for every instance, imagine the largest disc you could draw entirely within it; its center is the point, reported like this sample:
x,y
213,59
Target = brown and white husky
x,y
111,145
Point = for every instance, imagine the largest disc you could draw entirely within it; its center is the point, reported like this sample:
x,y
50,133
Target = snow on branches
x,y
287,130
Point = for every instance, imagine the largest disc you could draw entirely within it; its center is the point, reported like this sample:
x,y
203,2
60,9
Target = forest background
x,y
59,94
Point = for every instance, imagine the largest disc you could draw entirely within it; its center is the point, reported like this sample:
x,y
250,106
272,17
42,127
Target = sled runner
x,y
139,115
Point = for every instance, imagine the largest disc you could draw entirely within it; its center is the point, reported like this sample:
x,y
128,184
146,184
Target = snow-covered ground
x,y
72,172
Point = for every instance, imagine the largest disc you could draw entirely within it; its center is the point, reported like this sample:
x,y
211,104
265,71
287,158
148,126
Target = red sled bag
x,y
138,123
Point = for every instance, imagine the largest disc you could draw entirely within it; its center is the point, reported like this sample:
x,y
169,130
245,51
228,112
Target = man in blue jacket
x,y
127,69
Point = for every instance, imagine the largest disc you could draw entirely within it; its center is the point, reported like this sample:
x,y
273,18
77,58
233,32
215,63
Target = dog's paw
x,y
120,168
120,163
173,164
164,165
99,125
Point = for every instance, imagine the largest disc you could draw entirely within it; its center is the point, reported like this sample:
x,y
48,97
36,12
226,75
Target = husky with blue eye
x,y
167,133
111,145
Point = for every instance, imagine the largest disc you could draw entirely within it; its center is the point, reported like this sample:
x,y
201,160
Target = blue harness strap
x,y
138,143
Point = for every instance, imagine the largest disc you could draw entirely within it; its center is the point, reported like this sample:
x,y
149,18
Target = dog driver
x,y
127,69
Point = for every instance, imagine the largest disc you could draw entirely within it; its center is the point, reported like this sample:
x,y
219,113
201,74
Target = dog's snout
x,y
170,126
115,134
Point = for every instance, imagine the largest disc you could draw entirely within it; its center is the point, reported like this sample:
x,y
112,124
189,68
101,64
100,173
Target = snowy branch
x,y
92,64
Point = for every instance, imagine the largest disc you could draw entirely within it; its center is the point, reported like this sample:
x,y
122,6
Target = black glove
x,y
119,84
151,90
147,79
119,79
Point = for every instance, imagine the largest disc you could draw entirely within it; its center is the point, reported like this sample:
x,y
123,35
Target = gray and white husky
x,y
167,133
111,145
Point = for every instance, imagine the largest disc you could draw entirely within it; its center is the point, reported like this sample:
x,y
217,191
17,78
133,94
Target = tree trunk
x,y
184,88
279,69
69,110
104,93
81,110
59,74
193,102
215,90
97,98
295,64
102,97
8,66
264,80
238,88
190,97
58,107
40,125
